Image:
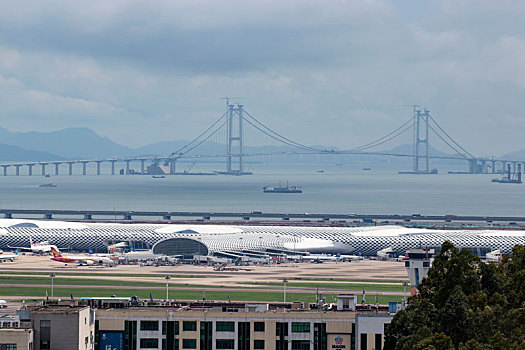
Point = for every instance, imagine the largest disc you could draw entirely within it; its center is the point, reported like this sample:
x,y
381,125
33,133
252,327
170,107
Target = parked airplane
x,y
344,257
81,259
494,256
10,257
38,247
319,258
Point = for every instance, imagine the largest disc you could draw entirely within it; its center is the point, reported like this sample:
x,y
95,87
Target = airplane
x,y
344,257
81,259
38,247
319,258
10,257
494,256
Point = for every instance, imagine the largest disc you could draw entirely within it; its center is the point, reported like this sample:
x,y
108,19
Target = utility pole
x,y
52,275
167,286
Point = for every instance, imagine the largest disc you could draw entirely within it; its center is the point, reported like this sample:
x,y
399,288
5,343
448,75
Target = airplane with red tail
x,y
81,259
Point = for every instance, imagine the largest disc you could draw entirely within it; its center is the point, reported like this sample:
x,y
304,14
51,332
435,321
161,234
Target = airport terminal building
x,y
186,240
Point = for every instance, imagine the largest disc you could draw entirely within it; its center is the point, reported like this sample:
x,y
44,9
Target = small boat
x,y
48,185
282,189
158,176
320,171
367,169
47,175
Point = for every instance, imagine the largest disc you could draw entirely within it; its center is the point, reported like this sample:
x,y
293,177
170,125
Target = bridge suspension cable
x,y
390,136
269,132
450,138
189,147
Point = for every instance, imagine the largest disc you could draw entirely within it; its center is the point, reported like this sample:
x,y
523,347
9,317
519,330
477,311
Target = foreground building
x,y
124,325
13,335
188,240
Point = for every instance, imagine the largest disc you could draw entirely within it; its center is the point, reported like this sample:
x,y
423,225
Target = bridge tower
x,y
234,135
421,141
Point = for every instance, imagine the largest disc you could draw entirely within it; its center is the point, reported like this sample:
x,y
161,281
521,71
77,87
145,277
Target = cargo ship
x,y
509,178
282,189
48,185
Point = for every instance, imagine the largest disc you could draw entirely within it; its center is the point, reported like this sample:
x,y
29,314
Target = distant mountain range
x,y
84,143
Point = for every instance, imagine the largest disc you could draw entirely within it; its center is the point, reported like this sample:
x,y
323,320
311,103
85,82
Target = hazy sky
x,y
321,72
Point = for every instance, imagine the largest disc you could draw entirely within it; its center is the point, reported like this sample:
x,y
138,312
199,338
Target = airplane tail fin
x,y
55,252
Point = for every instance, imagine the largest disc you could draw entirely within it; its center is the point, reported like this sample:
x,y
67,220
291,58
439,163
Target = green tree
x,y
465,304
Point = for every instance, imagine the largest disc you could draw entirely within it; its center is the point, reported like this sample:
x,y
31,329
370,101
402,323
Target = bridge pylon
x,y
421,148
235,137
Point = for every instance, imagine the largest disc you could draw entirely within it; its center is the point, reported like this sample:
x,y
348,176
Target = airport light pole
x,y
52,275
284,282
167,286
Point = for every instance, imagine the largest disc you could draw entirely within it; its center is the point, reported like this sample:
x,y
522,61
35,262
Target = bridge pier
x,y
5,169
98,167
30,169
484,167
474,167
48,216
17,170
8,215
173,163
127,166
112,167
43,165
87,217
84,168
56,168
493,166
142,166
70,168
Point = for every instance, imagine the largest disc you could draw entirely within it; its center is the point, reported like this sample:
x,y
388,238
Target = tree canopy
x,y
465,304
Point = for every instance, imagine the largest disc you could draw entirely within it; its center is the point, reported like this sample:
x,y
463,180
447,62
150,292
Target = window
x,y
149,343
300,327
189,343
45,323
258,344
378,341
300,345
281,329
426,264
10,346
189,326
281,345
44,345
224,344
149,325
363,341
258,326
225,327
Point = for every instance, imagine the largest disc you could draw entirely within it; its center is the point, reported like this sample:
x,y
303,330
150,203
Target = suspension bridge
x,y
237,135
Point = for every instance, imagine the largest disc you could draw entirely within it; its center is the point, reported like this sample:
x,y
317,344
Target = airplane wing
x,y
20,248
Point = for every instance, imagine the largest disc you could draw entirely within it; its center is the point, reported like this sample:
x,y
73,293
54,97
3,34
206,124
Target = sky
x,y
338,73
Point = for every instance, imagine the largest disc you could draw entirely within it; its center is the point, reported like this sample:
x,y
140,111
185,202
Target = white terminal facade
x,y
179,239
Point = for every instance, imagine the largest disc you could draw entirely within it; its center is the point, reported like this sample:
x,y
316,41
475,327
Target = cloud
x,y
332,72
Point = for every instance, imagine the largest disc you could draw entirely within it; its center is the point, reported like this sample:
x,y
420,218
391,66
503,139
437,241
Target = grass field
x,y
349,286
178,294
88,274
59,280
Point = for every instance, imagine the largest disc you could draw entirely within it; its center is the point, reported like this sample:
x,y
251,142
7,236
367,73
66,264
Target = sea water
x,y
326,189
